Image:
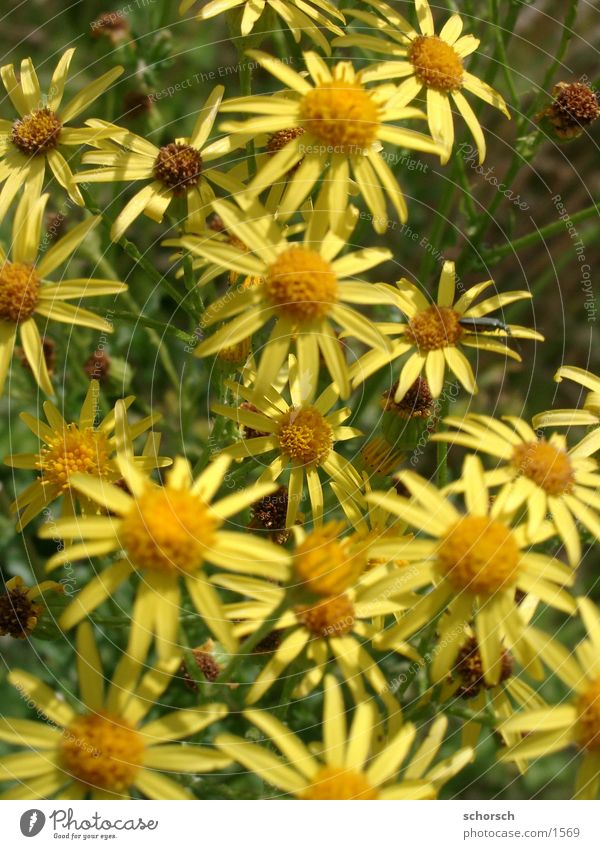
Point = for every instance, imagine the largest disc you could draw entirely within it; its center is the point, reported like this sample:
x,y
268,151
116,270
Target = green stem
x,y
263,630
471,716
245,70
439,227
162,350
152,323
501,51
567,35
35,561
442,447
139,258
553,229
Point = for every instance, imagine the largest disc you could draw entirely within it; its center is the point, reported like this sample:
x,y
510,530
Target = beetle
x,y
484,325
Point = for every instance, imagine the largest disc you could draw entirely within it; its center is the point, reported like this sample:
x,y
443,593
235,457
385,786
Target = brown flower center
x,y
417,403
468,668
36,133
19,290
269,514
435,328
342,115
178,167
301,284
280,139
436,64
18,614
548,466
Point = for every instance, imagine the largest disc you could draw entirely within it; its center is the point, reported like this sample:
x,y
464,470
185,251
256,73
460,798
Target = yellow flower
x,y
344,123
434,62
436,332
177,169
545,475
20,607
39,132
322,627
346,766
306,286
81,446
166,534
372,522
303,434
104,746
25,290
589,416
301,16
575,722
475,562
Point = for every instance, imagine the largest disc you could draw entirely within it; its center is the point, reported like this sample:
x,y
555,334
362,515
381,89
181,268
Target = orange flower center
x,y
336,783
326,564
301,284
178,167
480,555
436,64
435,328
85,451
332,617
102,751
168,530
589,718
305,436
37,132
548,466
342,115
19,290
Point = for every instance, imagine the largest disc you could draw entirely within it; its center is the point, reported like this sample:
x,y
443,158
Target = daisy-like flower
x,y
301,16
26,291
571,723
305,285
21,606
347,765
302,434
475,562
37,135
166,534
371,522
102,745
545,475
81,446
344,123
174,170
333,603
427,61
436,332
589,416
